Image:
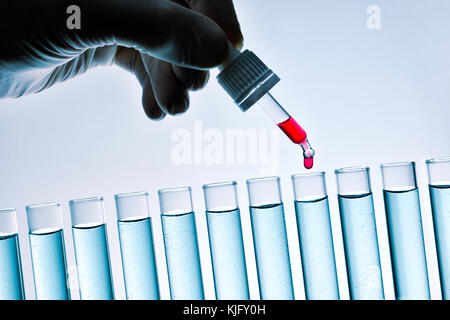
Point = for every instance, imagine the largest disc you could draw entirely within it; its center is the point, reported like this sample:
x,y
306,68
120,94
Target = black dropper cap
x,y
246,78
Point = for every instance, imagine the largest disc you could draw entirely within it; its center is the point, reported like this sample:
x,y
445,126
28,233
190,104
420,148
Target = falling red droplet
x,y
308,163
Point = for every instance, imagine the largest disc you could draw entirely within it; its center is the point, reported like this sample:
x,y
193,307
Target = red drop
x,y
293,130
308,163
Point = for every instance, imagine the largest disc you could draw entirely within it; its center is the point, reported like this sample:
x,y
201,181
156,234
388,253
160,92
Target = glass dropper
x,y
248,81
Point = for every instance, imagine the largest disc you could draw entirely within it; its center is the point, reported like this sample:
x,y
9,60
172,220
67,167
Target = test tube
x,y
270,239
439,186
11,282
47,251
136,246
315,235
359,233
226,242
401,199
91,249
180,243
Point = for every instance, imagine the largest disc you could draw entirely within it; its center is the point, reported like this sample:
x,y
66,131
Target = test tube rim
x,y
13,211
438,160
398,164
272,179
130,194
44,205
81,200
269,178
87,200
321,174
8,210
308,174
41,205
219,184
352,169
177,212
215,185
409,165
174,189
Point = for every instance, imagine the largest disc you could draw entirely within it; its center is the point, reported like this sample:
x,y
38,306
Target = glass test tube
x,y
359,233
136,246
315,235
226,242
401,199
91,249
270,239
180,243
439,186
11,282
47,251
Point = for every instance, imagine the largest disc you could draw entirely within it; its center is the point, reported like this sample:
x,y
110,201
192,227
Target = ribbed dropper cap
x,y
246,79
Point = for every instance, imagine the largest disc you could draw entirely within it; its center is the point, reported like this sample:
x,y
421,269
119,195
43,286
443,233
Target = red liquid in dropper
x,y
297,135
293,130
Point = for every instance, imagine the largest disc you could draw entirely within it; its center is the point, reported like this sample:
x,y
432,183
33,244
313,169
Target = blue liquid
x,y
361,247
272,253
182,257
49,266
138,260
11,285
317,250
440,205
91,252
227,253
406,242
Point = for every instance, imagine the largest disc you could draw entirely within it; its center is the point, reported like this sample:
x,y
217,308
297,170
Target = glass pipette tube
x,y
315,236
360,234
270,239
439,187
91,249
136,246
11,281
226,241
47,251
181,244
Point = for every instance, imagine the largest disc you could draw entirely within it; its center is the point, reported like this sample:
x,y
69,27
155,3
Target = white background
x,y
365,97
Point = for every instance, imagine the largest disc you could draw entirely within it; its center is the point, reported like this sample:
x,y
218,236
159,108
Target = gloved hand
x,y
168,45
